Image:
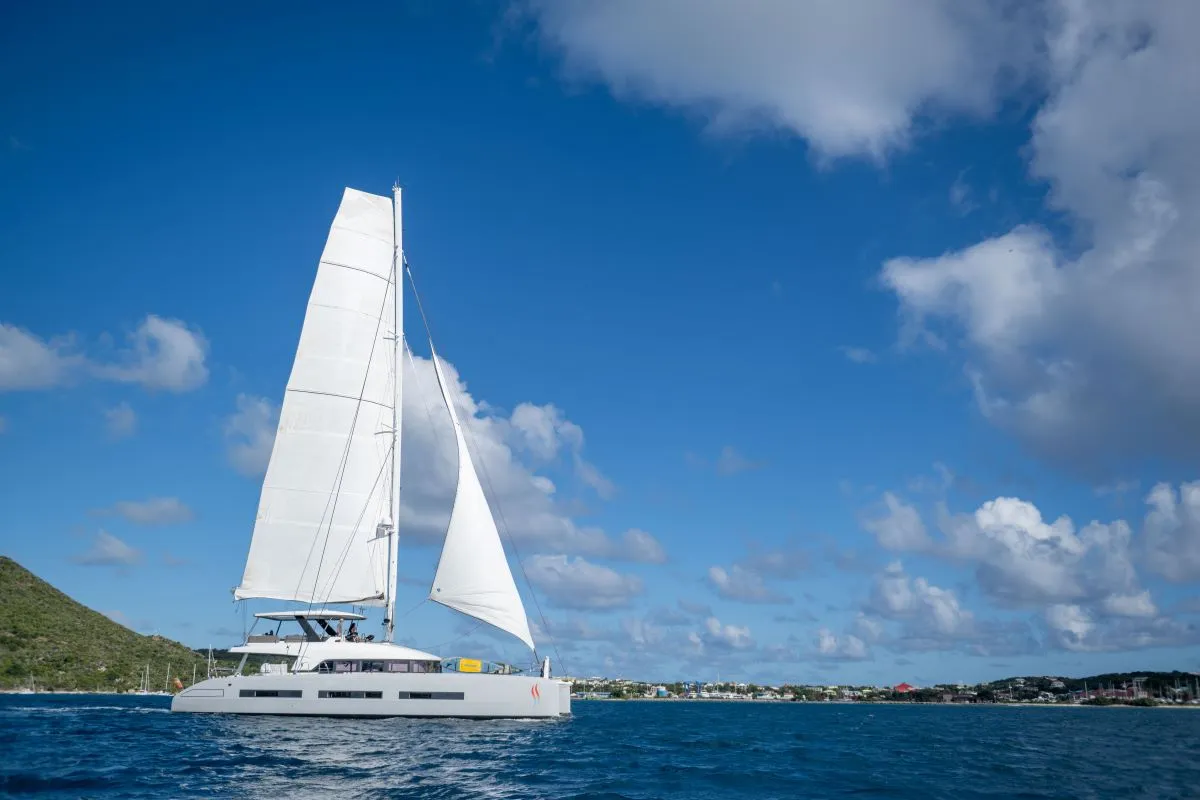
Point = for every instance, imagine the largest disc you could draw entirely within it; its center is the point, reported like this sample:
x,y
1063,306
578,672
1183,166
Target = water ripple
x,y
131,747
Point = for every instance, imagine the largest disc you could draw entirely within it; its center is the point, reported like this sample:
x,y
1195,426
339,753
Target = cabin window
x,y
270,693
431,695
350,695
379,666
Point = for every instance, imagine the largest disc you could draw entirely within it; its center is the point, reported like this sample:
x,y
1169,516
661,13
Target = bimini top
x,y
286,615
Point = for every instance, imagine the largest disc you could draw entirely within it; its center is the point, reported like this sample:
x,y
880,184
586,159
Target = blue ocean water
x,y
133,747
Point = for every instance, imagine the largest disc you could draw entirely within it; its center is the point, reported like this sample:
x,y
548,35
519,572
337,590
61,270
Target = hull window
x,y
352,695
270,693
431,696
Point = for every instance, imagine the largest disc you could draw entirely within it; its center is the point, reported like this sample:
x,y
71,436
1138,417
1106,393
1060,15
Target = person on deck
x,y
352,634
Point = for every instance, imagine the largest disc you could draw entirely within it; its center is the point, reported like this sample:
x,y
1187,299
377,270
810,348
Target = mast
x,y
389,620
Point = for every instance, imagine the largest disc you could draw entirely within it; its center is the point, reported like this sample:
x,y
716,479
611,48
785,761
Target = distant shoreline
x,y
899,704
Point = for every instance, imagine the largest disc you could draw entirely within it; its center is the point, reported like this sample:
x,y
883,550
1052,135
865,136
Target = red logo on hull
x,y
535,692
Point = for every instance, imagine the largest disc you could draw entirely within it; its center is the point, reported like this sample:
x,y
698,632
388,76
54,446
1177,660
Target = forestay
x,y
326,487
473,575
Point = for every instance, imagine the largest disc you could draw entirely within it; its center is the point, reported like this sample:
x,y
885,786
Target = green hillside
x,y
59,644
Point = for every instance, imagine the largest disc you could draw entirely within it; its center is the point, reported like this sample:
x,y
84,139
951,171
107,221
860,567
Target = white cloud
x,y
1070,625
849,78
637,545
1172,531
728,462
154,511
1083,583
960,195
1131,605
731,462
506,454
577,583
1086,354
108,550
743,584
934,611
847,647
859,355
250,434
1024,561
163,354
900,528
720,638
28,362
543,431
120,420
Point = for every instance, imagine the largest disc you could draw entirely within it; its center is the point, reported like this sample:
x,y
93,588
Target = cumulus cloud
x,y
848,78
108,551
154,511
715,636
1172,532
120,420
509,456
29,362
1075,628
544,431
934,610
580,584
900,528
1083,584
1085,354
847,647
162,354
250,434
743,584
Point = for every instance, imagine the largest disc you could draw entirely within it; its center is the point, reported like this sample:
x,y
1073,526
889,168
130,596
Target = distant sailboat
x,y
326,528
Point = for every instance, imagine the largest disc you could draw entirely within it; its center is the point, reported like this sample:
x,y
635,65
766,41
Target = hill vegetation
x,y
55,643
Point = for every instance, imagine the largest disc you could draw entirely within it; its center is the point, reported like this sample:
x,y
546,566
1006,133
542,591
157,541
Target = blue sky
x,y
837,312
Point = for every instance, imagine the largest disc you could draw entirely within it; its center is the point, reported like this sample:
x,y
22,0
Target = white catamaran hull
x,y
462,695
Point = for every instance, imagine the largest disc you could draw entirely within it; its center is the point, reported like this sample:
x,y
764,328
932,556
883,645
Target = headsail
x,y
327,484
473,575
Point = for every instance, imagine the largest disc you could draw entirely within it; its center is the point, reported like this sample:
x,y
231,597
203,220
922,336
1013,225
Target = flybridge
x,y
283,616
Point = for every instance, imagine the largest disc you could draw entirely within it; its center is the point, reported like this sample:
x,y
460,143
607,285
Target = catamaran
x,y
326,532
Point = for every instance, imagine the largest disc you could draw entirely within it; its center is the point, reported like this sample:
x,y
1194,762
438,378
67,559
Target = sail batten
x,y
327,483
473,576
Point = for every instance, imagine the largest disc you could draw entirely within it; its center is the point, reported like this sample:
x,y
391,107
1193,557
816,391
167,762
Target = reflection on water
x,y
110,746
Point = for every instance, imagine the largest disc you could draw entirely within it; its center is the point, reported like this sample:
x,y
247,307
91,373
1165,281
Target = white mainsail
x,y
473,575
328,482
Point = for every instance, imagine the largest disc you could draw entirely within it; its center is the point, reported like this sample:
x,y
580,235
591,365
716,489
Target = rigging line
x,y
350,540
331,505
437,647
423,601
487,477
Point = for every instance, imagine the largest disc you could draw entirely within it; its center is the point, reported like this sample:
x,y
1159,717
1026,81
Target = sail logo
x,y
535,693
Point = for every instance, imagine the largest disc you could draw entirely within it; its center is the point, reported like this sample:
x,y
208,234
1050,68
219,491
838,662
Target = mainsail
x,y
473,575
327,485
